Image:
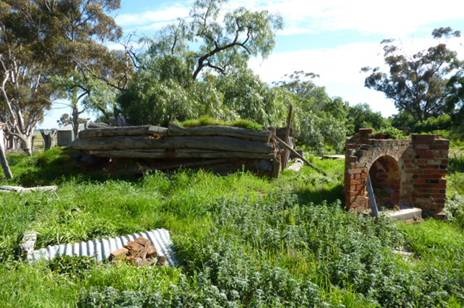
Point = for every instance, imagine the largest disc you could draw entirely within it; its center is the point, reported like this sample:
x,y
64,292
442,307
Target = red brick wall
x,y
420,163
431,163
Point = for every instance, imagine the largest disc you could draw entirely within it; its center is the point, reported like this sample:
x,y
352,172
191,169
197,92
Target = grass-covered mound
x,y
242,240
206,120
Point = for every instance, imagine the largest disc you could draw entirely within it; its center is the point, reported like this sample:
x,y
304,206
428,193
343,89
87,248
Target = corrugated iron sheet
x,y
102,248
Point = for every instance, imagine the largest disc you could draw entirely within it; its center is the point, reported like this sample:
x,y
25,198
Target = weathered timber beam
x,y
215,143
216,130
180,153
20,189
300,156
145,130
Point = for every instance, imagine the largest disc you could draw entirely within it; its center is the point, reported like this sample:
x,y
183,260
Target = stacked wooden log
x,y
220,148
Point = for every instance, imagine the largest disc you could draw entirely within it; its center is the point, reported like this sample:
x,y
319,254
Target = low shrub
x,y
226,278
206,120
455,209
75,267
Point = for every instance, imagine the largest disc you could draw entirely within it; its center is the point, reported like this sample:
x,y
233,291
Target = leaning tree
x,y
173,77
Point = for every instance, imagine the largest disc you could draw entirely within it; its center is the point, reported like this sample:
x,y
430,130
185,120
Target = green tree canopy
x,y
199,67
205,42
361,115
44,38
320,121
419,84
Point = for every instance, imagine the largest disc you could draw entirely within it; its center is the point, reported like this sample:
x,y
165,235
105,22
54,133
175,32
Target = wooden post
x,y
300,156
3,160
286,153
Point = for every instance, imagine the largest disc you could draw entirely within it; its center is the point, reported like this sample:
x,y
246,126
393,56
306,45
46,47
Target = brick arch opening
x,y
415,176
385,177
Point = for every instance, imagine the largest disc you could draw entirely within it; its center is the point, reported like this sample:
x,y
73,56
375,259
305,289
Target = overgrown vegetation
x,y
242,240
205,120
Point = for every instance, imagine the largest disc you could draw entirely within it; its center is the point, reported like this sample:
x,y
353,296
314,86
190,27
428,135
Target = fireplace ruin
x,y
403,173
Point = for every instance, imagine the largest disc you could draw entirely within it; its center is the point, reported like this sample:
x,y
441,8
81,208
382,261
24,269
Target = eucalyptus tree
x,y
361,115
3,158
420,84
86,67
44,38
212,39
24,68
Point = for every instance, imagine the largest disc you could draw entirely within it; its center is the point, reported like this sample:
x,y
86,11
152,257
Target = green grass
x,y
242,241
206,120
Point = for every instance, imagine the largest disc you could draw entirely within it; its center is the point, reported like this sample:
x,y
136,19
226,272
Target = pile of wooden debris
x,y
217,148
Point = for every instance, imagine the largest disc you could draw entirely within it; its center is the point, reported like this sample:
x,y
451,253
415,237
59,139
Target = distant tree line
x,y
52,49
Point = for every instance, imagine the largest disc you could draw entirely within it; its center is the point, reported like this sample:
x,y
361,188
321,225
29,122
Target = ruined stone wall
x,y
420,165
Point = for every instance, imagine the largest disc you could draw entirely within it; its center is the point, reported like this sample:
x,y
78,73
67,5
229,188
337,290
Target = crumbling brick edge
x,y
422,161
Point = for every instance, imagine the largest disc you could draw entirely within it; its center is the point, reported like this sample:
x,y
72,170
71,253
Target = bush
x,y
226,278
455,209
75,267
206,120
441,122
389,132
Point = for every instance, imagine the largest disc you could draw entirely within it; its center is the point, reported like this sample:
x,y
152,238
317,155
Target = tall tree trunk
x,y
3,160
75,111
26,143
75,120
49,137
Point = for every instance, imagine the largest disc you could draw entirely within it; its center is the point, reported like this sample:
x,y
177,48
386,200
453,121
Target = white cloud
x,y
340,69
158,16
389,18
394,17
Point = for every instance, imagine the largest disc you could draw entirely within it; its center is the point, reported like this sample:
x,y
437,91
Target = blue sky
x,y
333,38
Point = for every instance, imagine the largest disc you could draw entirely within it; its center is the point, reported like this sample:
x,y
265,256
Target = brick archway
x,y
418,166
386,182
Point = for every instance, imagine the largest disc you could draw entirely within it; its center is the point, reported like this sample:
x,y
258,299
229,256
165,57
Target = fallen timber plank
x,y
19,189
300,156
145,130
188,142
336,156
216,130
180,153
